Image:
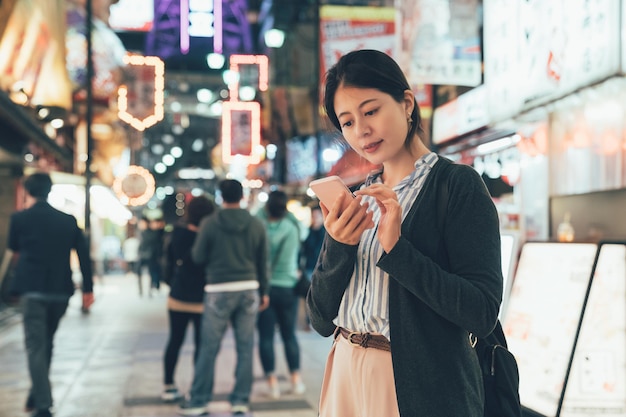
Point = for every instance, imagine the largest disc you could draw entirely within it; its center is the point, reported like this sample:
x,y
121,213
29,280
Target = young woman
x,y
400,284
284,237
186,281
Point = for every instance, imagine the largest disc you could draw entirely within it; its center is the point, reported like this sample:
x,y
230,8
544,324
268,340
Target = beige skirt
x,y
358,382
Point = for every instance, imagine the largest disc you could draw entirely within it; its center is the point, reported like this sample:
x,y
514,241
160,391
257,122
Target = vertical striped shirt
x,y
365,303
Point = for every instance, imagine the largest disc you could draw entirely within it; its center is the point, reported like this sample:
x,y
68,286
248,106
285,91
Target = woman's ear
x,y
409,101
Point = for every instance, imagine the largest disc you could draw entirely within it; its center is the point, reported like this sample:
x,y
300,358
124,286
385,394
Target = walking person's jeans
x,y
40,320
283,310
239,308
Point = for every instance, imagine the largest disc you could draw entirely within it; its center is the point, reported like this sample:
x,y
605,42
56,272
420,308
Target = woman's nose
x,y
362,128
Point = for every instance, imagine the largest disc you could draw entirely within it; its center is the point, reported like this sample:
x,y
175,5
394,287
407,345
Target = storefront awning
x,y
18,128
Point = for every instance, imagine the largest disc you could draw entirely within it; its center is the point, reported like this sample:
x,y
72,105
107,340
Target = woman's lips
x,y
372,147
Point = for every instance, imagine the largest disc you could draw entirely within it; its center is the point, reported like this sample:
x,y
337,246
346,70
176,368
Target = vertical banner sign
x,y
347,28
238,64
241,130
197,19
140,102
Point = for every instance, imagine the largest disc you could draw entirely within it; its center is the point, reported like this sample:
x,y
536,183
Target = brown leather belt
x,y
366,340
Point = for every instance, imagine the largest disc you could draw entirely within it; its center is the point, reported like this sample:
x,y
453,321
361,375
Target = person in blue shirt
x,y
284,238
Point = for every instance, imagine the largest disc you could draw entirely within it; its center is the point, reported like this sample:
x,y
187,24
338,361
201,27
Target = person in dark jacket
x,y
312,245
151,253
186,281
399,291
42,238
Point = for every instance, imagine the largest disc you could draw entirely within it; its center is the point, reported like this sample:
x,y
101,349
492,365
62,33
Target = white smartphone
x,y
329,188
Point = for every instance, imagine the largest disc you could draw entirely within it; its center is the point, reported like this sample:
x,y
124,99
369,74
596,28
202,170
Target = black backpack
x,y
498,365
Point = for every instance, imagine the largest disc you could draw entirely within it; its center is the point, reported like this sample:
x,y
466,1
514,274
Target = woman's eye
x,y
371,112
346,124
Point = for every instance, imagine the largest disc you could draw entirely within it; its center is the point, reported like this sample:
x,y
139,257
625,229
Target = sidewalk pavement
x,y
109,362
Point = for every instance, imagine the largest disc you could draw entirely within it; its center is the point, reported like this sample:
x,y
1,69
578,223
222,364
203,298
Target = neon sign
x,y
136,188
141,104
201,19
263,63
241,130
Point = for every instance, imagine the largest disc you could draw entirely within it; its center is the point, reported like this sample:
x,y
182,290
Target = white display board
x,y
597,382
509,251
542,316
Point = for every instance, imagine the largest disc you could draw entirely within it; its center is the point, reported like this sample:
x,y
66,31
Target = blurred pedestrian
x,y
284,238
130,252
42,238
186,281
232,246
151,252
310,250
312,245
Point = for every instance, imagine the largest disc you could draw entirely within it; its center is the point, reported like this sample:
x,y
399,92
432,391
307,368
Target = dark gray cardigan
x,y
442,286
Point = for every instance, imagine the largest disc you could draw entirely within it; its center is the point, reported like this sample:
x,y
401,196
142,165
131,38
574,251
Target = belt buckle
x,y
350,338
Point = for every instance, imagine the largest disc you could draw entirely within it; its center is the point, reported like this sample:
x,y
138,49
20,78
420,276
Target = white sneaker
x,y
239,409
170,393
274,391
299,388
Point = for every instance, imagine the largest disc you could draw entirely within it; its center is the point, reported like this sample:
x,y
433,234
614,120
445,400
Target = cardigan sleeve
x,y
460,280
328,284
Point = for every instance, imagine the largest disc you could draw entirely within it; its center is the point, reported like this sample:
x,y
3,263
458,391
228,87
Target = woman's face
x,y
373,123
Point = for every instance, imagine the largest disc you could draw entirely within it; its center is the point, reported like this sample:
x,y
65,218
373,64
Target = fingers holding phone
x,y
345,218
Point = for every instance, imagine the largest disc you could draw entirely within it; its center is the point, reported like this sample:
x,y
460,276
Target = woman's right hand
x,y
347,226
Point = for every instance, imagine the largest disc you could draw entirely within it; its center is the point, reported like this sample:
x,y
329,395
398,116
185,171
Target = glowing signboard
x,y
140,102
136,187
236,61
201,19
241,130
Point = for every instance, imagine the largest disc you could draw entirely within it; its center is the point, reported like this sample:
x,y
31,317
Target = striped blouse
x,y
365,303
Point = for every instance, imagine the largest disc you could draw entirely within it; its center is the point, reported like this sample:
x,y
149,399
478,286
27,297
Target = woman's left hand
x,y
389,225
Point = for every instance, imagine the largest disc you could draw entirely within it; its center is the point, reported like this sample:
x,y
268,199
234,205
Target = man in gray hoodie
x,y
232,245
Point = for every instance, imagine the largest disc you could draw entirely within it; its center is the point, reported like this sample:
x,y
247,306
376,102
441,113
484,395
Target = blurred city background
x,y
183,93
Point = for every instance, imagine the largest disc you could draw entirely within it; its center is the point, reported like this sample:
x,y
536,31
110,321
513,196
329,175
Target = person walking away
x,y
310,251
42,238
284,238
232,246
399,291
151,252
130,252
186,281
312,245
144,253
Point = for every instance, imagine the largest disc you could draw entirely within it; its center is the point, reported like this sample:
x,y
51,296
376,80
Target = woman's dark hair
x,y
232,191
38,185
368,68
198,208
277,204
